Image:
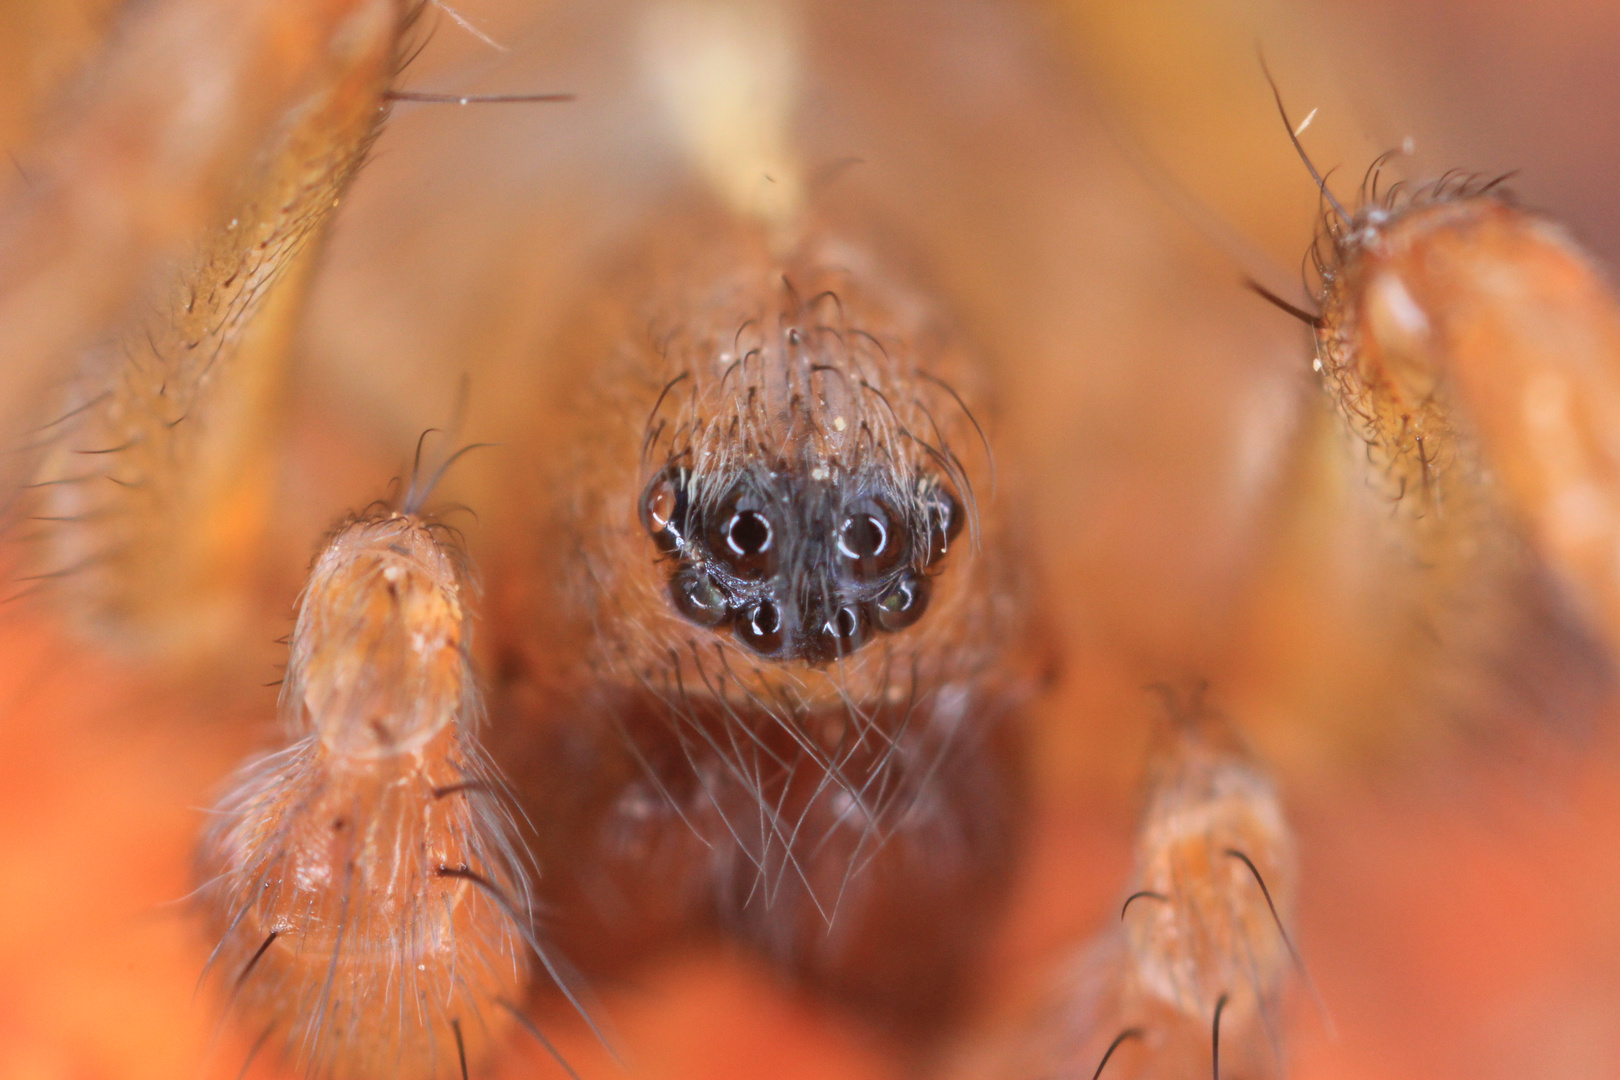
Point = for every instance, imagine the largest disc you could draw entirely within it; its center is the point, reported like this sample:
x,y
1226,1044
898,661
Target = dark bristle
x,y
420,98
539,1037
253,961
1141,894
1310,166
461,1046
1313,321
1128,1033
453,789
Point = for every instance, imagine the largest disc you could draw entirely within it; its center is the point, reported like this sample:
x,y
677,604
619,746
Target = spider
x,y
1167,472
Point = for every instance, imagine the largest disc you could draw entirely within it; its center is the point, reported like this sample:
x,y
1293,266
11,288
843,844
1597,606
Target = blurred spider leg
x,y
1422,298
177,397
1197,973
1211,953
365,882
186,98
1520,330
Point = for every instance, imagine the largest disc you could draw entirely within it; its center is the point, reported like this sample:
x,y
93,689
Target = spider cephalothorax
x,y
784,603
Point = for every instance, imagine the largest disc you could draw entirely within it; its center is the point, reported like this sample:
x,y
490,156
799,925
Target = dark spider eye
x,y
697,597
863,536
871,539
760,627
945,521
742,538
748,533
903,604
663,510
845,631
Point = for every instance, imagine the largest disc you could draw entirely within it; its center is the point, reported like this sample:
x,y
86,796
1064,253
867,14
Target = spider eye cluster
x,y
800,567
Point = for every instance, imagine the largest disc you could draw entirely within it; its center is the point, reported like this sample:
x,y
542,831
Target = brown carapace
x,y
372,908
771,614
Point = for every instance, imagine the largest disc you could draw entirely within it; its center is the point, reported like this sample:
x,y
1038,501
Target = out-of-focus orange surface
x,y
1460,910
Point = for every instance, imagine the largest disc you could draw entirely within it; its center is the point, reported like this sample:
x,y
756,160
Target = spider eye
x,y
870,540
663,510
748,533
945,521
743,538
845,631
903,604
760,627
697,596
863,536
